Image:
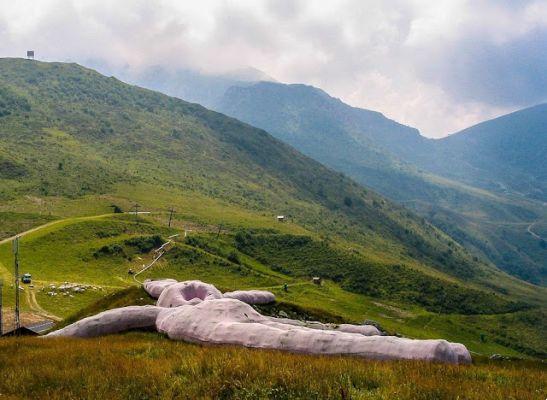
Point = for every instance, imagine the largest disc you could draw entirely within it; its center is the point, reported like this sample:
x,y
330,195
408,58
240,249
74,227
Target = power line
x,y
136,206
219,229
172,210
15,245
1,314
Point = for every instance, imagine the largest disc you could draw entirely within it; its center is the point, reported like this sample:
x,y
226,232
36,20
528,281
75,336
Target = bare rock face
x,y
112,321
251,296
192,292
198,312
154,288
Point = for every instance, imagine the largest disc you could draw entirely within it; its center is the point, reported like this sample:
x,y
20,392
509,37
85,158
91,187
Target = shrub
x,y
117,209
348,202
302,256
145,244
109,250
11,170
233,257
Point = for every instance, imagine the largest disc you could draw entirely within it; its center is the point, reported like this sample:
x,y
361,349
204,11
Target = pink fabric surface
x,y
198,312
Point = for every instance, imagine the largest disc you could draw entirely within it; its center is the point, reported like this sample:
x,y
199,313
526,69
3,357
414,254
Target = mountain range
x,y
78,148
69,132
485,186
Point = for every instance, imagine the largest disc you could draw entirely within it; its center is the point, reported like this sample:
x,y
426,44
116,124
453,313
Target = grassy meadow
x,y
13,223
99,250
146,366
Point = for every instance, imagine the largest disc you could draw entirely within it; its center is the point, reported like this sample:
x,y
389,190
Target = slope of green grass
x,y
301,256
14,223
71,133
77,253
397,162
73,252
137,366
74,144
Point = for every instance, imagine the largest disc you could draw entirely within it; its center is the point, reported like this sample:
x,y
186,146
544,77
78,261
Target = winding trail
x,y
52,223
36,308
30,295
164,248
160,254
531,232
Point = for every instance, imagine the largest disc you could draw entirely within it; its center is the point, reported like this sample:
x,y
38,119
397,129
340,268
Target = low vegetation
x,y
79,148
71,251
302,256
12,223
147,366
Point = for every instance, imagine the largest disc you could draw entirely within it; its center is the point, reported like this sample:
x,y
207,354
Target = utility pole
x,y
219,229
16,273
1,314
172,210
136,206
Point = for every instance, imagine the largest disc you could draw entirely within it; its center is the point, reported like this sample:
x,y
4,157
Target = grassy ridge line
x,y
52,305
40,231
56,222
65,250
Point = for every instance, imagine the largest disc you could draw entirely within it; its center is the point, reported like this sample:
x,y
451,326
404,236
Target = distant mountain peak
x,y
248,74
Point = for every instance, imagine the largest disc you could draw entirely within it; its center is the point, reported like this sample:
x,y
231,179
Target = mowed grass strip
x,y
147,366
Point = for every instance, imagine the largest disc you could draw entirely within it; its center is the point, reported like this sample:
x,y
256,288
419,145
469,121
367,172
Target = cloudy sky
x,y
437,65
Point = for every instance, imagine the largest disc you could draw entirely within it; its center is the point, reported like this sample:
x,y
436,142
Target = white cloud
x,y
439,66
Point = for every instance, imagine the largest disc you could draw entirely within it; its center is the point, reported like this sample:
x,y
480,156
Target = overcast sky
x,y
437,65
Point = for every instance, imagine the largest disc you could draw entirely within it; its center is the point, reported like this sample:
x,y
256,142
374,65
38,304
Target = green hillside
x,y
70,132
396,161
76,146
506,154
97,252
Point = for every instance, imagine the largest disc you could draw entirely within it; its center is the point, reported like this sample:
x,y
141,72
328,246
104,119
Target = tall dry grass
x,y
147,366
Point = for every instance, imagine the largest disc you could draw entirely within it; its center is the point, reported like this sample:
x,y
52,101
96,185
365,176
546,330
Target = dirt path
x,y
36,228
159,253
58,221
30,296
531,232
